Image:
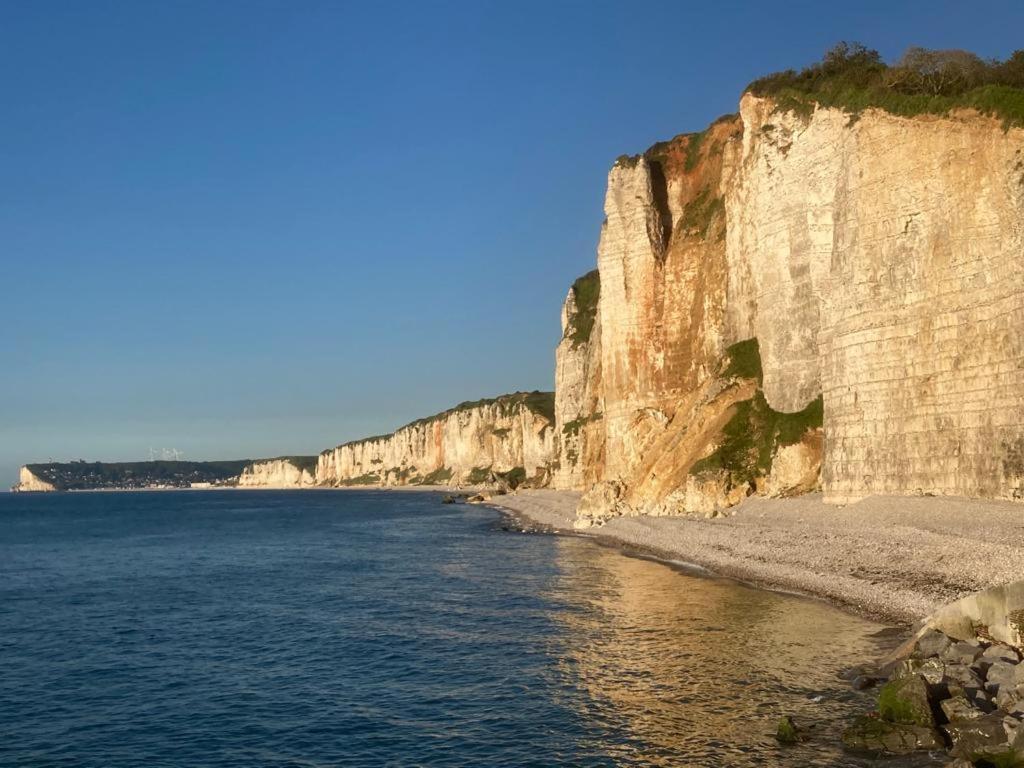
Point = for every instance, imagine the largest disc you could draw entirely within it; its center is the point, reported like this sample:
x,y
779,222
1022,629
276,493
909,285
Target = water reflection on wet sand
x,y
696,670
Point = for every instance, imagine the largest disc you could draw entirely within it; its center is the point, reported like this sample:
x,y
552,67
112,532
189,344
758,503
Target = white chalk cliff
x,y
285,472
792,299
472,443
29,482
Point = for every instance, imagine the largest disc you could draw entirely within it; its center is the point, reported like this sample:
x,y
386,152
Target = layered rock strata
x,y
875,266
507,440
578,397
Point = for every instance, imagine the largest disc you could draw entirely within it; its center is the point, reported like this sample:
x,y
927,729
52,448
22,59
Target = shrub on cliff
x,y
852,77
586,291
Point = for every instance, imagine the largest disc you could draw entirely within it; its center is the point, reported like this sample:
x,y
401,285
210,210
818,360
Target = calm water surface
x,y
387,629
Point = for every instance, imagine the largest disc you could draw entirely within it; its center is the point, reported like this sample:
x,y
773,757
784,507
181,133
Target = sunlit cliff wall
x,y
880,262
286,472
29,482
792,299
473,443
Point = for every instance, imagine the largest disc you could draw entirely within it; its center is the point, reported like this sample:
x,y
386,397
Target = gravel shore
x,y
895,559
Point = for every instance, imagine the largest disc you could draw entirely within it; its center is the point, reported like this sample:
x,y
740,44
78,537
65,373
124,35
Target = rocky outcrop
x,y
505,441
283,472
578,397
966,695
872,268
28,482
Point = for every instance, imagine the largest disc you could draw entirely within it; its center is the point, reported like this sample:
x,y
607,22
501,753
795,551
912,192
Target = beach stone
x,y
999,758
999,652
1000,675
963,652
981,700
1007,697
1011,726
869,734
863,682
982,735
932,643
788,732
960,708
932,670
960,763
964,676
905,700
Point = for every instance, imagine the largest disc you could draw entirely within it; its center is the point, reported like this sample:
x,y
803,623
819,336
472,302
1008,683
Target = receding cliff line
x,y
507,440
98,475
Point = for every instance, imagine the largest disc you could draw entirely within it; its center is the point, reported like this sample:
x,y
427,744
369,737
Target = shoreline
x,y
894,560
403,488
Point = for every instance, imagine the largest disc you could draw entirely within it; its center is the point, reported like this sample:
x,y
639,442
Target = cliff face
x,y
790,300
512,435
286,472
29,482
879,264
578,398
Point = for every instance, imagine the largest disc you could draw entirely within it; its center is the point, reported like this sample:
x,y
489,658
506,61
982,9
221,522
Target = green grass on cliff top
x,y
299,462
853,78
540,403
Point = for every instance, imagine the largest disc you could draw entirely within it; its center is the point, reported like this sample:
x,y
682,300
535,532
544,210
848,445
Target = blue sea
x,y
350,628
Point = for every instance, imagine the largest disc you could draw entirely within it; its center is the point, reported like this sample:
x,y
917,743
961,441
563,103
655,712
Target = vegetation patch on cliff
x,y
755,431
307,463
752,435
853,78
437,477
585,291
699,214
744,360
572,428
514,477
370,478
685,152
540,403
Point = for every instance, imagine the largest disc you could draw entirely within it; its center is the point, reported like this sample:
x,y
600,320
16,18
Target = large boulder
x,y
931,643
960,708
870,734
1003,674
978,737
963,675
905,700
931,669
964,652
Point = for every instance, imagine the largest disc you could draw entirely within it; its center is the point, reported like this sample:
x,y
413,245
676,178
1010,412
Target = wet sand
x,y
894,559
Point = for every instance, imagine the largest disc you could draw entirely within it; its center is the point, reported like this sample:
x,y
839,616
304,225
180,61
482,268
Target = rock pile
x,y
963,696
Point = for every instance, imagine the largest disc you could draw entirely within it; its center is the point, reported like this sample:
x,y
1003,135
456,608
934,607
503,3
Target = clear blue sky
x,y
253,228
